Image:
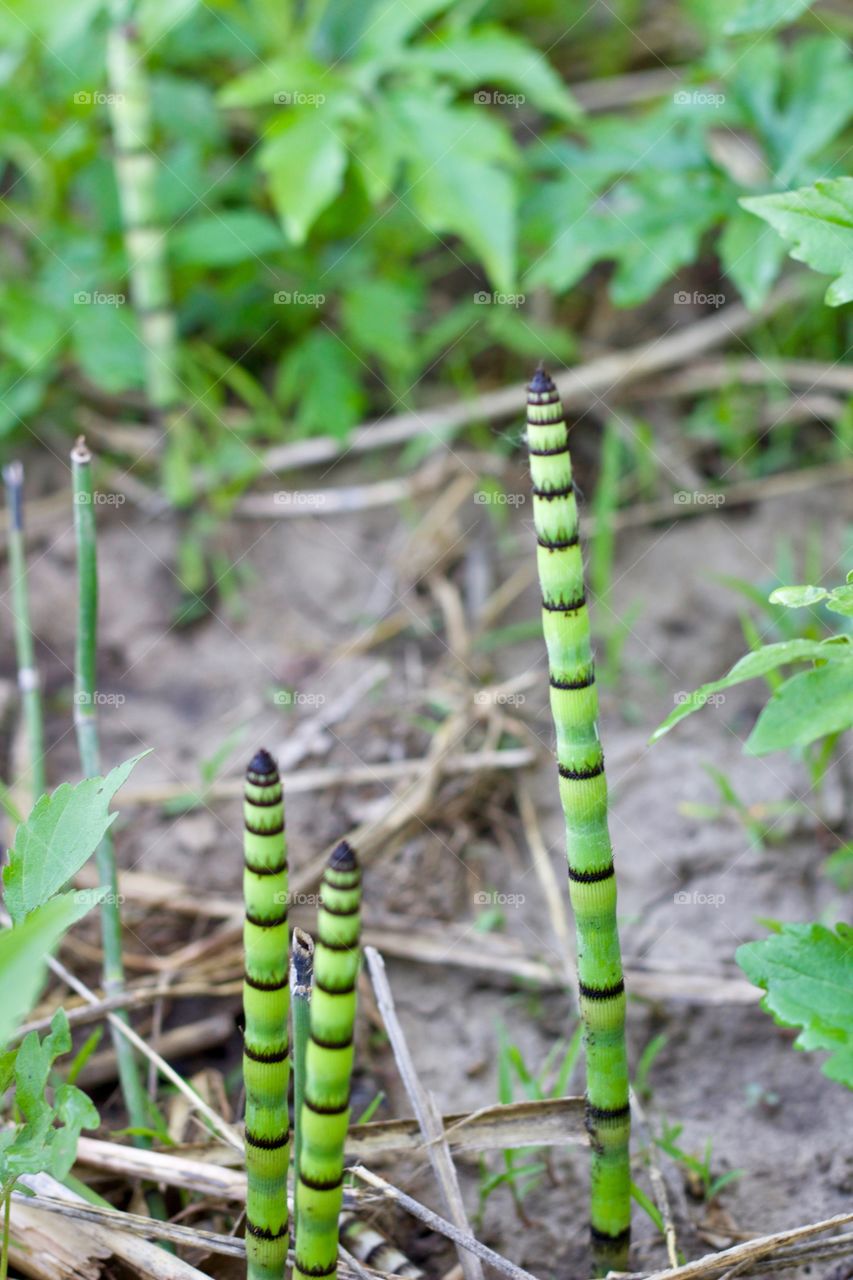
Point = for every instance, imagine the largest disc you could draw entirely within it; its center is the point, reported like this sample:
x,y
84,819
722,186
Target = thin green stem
x,y
301,978
266,1001
85,721
4,1252
583,792
28,677
324,1118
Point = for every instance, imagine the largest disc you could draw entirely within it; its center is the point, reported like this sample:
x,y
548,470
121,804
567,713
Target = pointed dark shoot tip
x,y
262,763
343,858
540,383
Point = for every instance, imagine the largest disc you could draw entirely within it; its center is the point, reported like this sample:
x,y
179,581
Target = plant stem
x,y
144,236
324,1117
583,792
266,1001
301,978
85,722
28,677
4,1252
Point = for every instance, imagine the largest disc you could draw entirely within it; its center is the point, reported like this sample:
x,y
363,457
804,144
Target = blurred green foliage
x,y
358,197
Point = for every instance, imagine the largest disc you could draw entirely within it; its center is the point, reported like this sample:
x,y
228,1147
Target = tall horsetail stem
x,y
583,792
301,980
28,679
266,1005
86,725
328,1068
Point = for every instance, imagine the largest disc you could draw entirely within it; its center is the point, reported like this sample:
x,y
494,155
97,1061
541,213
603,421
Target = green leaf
x,y
321,378
276,83
763,15
106,341
752,665
379,317
493,56
841,601
63,830
818,222
306,161
797,597
24,950
224,239
458,161
805,707
807,972
751,256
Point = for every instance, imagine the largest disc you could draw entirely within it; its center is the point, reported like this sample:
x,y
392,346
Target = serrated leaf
x,y
493,56
24,950
818,222
807,706
841,601
751,256
807,972
63,830
752,665
764,15
305,162
797,597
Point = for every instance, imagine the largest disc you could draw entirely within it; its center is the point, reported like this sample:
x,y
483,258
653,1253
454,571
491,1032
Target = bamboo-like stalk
x,y
266,999
28,676
144,236
86,725
301,979
369,1246
583,792
324,1117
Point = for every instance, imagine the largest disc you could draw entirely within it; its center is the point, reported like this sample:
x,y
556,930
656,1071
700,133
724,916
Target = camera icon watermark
x,y
699,699
284,298
697,98
99,499
85,298
494,899
497,698
116,899
488,97
695,899
296,698
698,299
296,98
98,699
696,497
487,498
297,498
485,299
98,99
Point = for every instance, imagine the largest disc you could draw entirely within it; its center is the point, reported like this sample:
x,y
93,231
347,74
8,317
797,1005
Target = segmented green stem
x,y
85,722
367,1245
144,236
301,978
28,677
266,1001
324,1117
583,791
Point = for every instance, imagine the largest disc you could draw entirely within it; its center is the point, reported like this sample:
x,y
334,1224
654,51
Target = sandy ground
x,y
726,1073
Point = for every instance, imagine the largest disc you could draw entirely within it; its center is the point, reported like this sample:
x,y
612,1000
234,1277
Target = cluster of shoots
x,y
323,1023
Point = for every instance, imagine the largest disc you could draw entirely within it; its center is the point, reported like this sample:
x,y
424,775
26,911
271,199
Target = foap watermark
x,y
697,497
697,98
85,895
99,499
684,298
297,98
98,99
497,98
286,299
497,698
487,498
699,699
298,899
696,899
296,698
297,498
85,298
484,899
99,699
485,299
